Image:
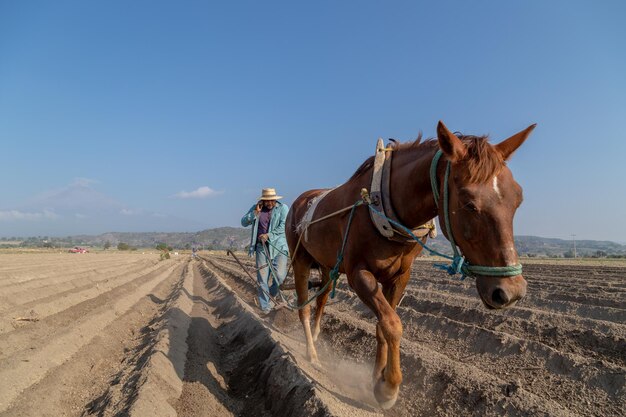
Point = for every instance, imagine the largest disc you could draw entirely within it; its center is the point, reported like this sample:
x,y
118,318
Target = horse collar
x,y
380,193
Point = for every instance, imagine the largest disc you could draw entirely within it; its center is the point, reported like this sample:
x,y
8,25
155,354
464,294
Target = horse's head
x,y
483,198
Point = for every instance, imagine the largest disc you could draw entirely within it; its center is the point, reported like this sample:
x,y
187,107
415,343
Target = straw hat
x,y
269,194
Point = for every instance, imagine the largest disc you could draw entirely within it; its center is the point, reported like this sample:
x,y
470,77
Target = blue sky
x,y
171,116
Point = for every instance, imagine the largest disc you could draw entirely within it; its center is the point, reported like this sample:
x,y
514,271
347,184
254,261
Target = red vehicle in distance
x,y
77,249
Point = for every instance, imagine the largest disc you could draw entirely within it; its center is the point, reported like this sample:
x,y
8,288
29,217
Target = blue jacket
x,y
276,229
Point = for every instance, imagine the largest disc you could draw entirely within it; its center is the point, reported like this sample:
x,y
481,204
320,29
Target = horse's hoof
x,y
388,404
385,396
313,360
317,364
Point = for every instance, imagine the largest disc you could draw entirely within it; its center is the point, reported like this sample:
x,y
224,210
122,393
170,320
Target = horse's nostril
x,y
499,297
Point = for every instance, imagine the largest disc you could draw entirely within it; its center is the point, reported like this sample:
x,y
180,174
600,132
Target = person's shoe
x,y
265,313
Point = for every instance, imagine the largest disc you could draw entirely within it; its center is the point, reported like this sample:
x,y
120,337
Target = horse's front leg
x,y
393,293
388,333
381,354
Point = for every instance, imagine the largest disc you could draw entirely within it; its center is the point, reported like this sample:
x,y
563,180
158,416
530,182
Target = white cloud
x,y
84,182
202,192
130,212
10,215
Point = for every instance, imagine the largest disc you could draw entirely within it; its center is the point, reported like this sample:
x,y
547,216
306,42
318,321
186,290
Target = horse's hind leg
x,y
301,271
321,302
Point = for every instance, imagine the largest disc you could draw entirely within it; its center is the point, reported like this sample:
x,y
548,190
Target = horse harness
x,y
380,195
378,201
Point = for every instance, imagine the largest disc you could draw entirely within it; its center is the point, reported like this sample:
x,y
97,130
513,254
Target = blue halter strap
x,y
459,264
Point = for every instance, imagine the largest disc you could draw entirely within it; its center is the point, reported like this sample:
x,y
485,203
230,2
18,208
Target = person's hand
x,y
258,208
264,237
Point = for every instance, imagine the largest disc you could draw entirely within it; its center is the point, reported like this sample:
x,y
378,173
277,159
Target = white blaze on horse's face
x,y
496,189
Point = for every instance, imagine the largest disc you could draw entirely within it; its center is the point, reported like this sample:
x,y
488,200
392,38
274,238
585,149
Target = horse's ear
x,y
508,146
452,146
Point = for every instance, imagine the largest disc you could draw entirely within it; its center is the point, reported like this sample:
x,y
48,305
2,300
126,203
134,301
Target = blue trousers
x,y
276,273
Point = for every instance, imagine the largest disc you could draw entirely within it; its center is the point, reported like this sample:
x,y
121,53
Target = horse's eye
x,y
470,206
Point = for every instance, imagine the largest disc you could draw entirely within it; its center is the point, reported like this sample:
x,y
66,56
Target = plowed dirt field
x,y
124,334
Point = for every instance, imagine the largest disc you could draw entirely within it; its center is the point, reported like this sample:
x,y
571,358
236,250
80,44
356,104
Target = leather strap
x,y
382,225
381,199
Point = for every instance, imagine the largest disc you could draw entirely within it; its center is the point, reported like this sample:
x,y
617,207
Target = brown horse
x,y
483,197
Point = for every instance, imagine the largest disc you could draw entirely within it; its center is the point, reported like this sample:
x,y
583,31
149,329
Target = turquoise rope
x,y
278,250
334,273
307,302
409,232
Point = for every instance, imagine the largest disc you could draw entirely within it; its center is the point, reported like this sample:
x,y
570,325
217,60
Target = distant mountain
x,y
238,237
219,238
541,246
550,247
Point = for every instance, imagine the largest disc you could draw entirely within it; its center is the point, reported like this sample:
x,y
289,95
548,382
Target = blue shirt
x,y
276,230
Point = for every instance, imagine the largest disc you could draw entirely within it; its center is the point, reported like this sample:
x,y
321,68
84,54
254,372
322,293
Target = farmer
x,y
268,242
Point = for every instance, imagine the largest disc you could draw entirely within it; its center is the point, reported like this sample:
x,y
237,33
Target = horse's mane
x,y
482,162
